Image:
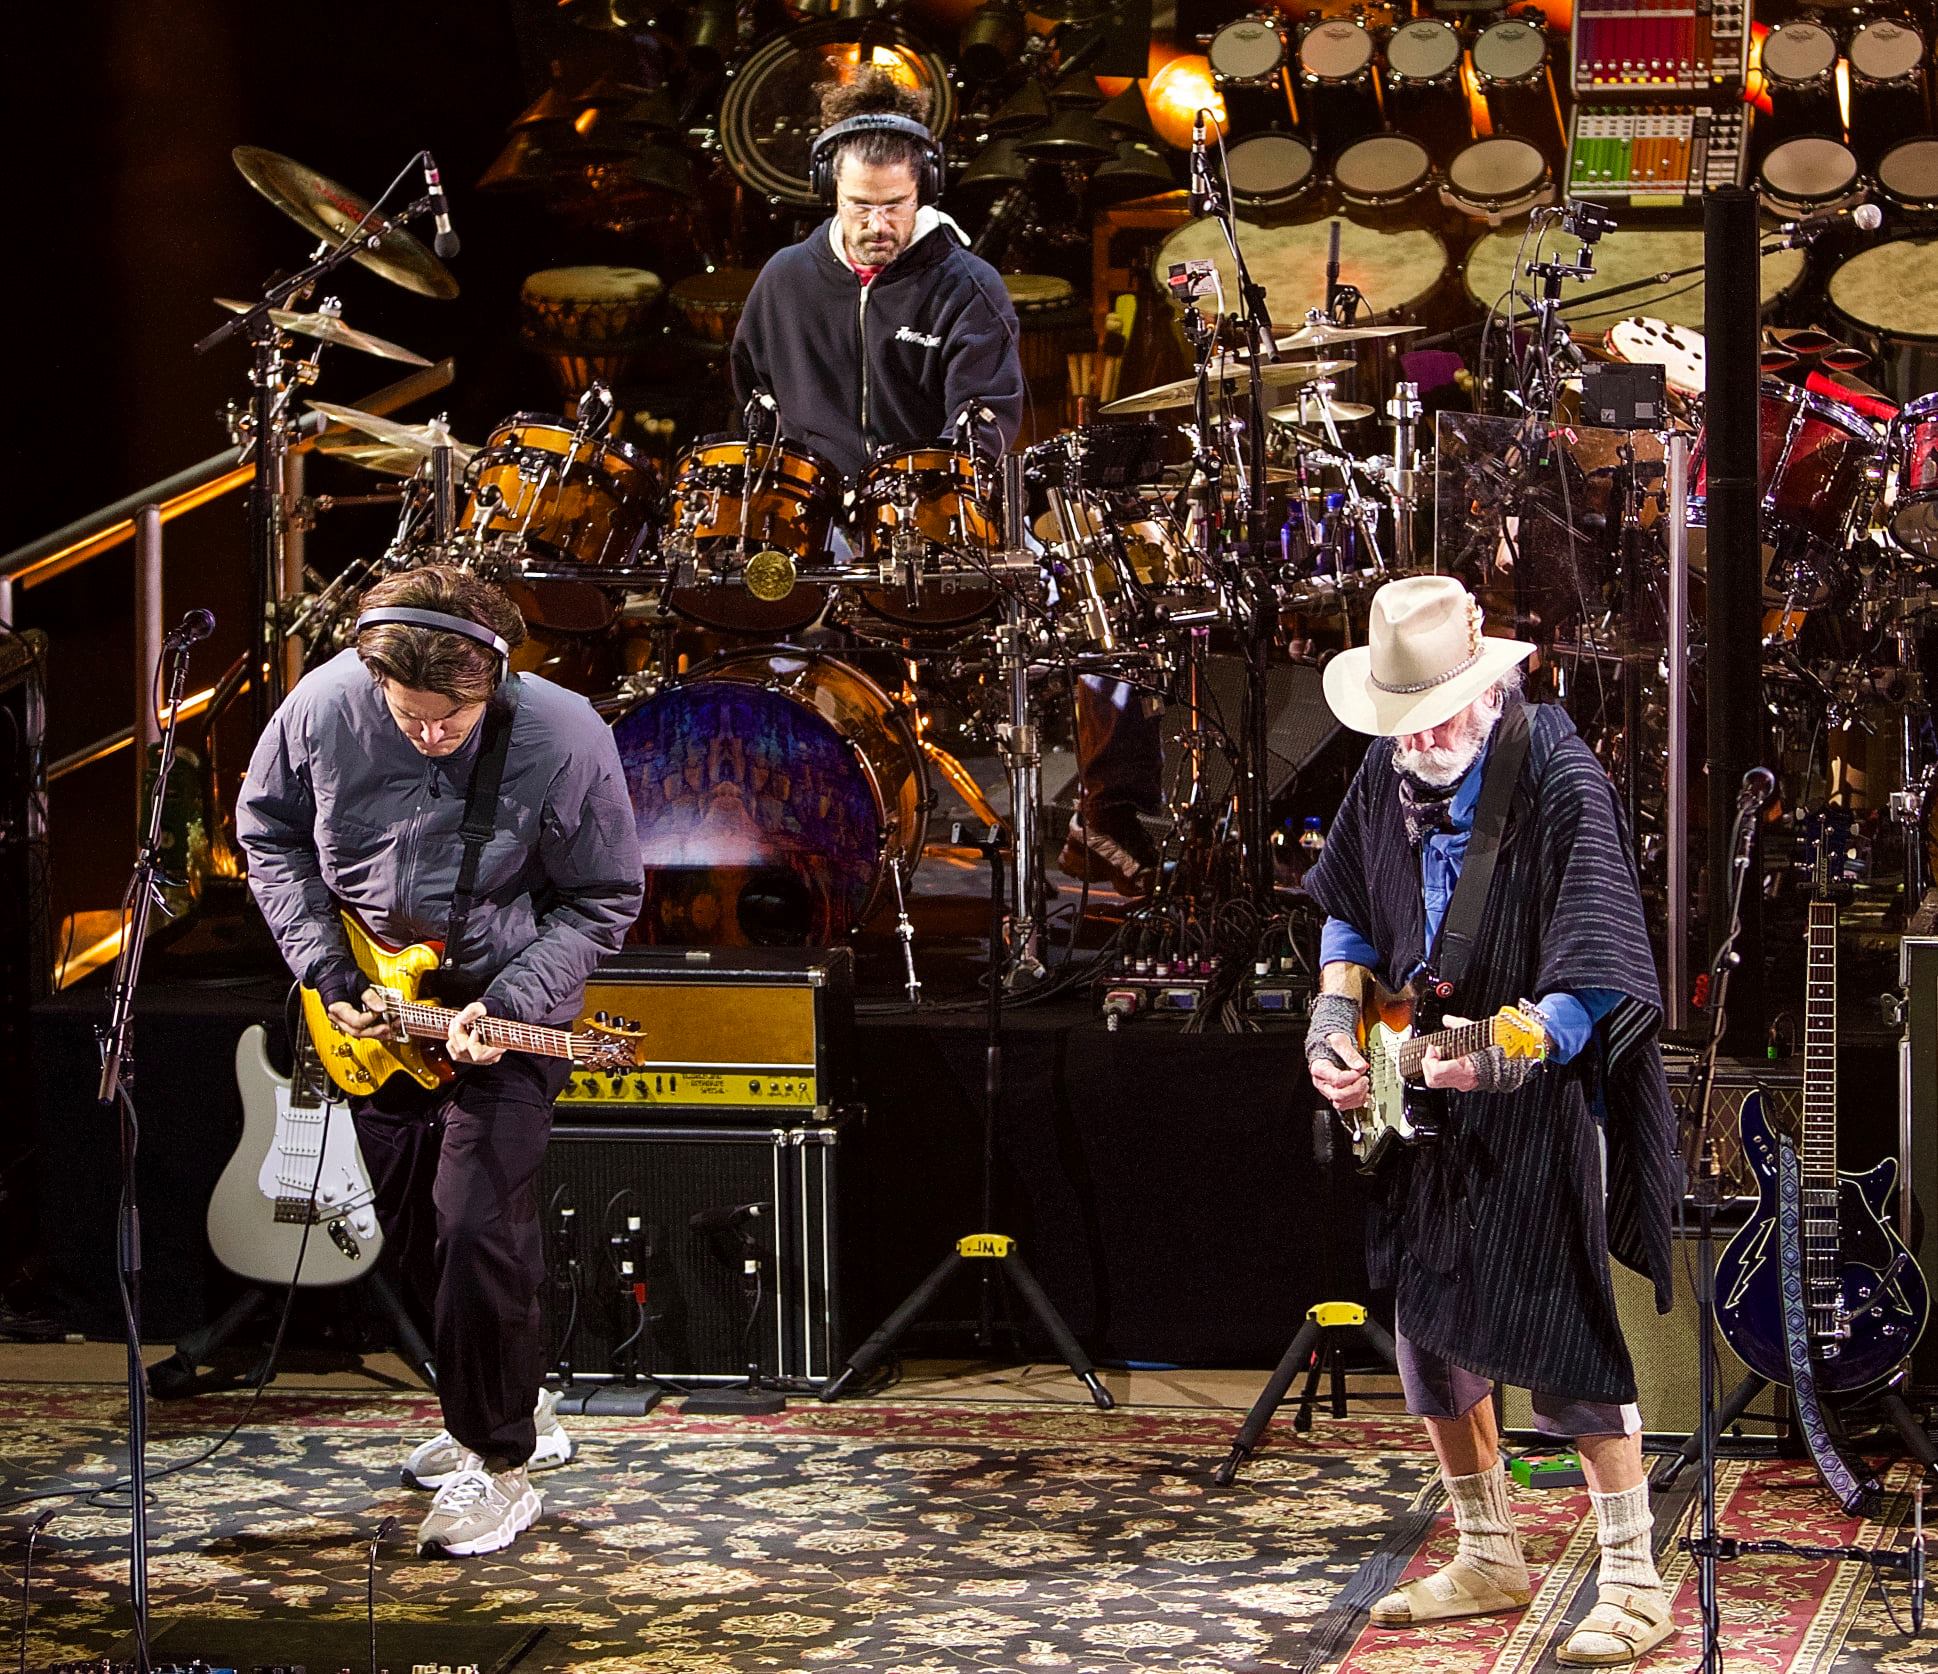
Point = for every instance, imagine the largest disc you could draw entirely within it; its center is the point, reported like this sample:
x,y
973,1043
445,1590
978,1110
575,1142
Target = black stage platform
x,y
1165,1185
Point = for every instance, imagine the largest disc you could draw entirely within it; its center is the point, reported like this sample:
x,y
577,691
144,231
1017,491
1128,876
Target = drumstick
x,y
1113,361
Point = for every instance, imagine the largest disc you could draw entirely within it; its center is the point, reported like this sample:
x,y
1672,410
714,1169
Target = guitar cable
x,y
99,1497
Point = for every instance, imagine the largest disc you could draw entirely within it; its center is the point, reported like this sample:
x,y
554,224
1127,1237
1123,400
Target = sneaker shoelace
x,y
463,1491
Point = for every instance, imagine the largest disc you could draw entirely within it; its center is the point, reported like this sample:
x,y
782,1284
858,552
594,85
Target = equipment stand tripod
x,y
1320,1346
985,1246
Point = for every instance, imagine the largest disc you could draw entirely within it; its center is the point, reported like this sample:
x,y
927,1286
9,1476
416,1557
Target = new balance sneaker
x,y
1121,856
478,1511
433,1463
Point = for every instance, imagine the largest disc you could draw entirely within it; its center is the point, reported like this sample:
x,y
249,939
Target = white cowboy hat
x,y
1424,661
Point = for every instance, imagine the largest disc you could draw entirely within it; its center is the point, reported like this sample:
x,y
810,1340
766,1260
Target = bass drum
x,y
775,792
1622,258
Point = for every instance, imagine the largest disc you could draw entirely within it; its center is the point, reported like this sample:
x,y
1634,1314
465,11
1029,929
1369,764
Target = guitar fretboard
x,y
1817,1152
434,1023
1468,1039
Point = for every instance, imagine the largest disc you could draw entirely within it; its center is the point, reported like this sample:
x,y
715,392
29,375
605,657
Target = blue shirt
x,y
1570,1018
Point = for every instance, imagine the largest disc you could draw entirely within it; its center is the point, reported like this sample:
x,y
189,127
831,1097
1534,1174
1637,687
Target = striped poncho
x,y
1495,1237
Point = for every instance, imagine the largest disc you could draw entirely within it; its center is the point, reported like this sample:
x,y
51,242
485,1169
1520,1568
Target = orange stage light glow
x,y
1177,92
843,61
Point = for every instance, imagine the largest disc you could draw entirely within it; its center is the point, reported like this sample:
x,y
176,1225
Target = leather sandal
x,y
1625,1624
1460,1589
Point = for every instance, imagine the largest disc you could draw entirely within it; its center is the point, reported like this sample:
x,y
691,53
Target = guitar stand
x,y
1735,1404
180,1375
1320,1347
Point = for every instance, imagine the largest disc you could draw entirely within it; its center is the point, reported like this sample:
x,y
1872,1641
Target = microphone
x,y
1759,785
1200,175
1865,217
716,1220
446,242
1332,270
1918,1560
196,625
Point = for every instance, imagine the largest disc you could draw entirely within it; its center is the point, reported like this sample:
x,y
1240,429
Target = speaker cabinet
x,y
731,1231
1781,1081
1918,1121
1663,1347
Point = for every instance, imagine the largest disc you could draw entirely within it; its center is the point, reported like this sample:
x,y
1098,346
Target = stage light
x,y
1177,91
991,40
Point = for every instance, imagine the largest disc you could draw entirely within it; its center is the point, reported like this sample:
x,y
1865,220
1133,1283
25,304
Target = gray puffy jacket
x,y
340,810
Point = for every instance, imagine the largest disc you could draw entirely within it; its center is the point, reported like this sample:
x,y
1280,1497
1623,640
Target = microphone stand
x,y
116,1089
1255,587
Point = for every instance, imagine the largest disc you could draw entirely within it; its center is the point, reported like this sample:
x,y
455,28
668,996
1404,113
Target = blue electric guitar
x,y
1866,1299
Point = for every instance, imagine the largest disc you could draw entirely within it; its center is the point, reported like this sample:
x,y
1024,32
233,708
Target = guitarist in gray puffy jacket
x,y
354,800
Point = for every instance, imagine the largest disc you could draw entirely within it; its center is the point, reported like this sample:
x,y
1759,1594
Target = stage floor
x,y
966,1519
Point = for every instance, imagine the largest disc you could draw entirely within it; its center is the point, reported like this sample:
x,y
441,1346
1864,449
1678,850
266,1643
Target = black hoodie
x,y
855,368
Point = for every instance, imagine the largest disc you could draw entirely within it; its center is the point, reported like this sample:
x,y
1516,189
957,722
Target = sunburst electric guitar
x,y
1402,1109
417,1027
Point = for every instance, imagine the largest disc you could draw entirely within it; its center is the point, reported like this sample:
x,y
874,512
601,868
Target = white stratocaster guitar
x,y
1401,1108
263,1200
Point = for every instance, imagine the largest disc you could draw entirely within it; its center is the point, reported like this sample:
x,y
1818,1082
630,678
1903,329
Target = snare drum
x,y
1272,172
589,322
750,519
1338,101
1511,65
1623,257
774,792
1907,180
1247,61
1799,74
1494,179
1912,446
1424,95
1888,93
1885,297
1814,461
1803,176
1381,176
930,514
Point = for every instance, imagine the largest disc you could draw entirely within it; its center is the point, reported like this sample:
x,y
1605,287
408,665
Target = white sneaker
x,y
478,1511
433,1463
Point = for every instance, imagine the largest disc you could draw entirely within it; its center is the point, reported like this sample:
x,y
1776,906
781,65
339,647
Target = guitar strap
x,y
1453,949
1854,1493
480,811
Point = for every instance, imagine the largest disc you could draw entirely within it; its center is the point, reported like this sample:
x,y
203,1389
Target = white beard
x,y
1447,764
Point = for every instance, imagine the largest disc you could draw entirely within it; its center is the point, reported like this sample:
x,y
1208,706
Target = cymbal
x,y
1182,391
372,456
413,438
1320,334
1309,409
323,208
328,328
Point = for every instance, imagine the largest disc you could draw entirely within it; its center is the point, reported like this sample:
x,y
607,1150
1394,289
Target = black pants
x,y
456,1175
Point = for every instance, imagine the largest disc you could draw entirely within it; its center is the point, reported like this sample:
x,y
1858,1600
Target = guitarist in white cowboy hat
x,y
1495,1235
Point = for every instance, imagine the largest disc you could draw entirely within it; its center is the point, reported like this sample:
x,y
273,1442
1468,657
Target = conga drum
x,y
709,305
1051,324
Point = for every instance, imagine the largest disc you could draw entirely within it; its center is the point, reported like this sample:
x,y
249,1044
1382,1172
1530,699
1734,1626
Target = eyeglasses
x,y
866,213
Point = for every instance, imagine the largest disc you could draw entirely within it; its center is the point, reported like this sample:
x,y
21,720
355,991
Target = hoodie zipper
x,y
861,328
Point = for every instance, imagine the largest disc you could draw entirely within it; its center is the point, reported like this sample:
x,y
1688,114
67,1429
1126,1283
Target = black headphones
x,y
444,622
821,155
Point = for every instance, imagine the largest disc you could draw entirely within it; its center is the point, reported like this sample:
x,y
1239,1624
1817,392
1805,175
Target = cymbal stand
x,y
1913,795
269,425
1402,479
1360,511
1022,755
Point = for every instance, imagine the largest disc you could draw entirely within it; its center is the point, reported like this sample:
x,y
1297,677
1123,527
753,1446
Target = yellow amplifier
x,y
729,1033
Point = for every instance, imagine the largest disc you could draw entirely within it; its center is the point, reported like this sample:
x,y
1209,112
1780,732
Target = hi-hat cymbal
x,y
328,328
372,456
415,438
1311,408
1181,392
1321,334
321,207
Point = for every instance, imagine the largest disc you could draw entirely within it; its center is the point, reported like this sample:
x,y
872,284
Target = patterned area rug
x,y
883,1538
878,1537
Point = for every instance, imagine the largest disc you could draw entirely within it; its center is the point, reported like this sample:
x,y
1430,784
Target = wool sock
x,y
1485,1520
1624,1526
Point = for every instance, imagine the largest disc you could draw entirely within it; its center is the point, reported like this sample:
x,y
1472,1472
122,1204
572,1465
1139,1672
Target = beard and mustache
x,y
1440,766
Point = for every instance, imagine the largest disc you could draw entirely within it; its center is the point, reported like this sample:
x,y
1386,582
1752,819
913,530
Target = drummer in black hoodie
x,y
880,328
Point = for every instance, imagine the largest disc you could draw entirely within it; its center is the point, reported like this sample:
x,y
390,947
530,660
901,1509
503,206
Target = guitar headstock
x,y
607,1043
1519,1034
